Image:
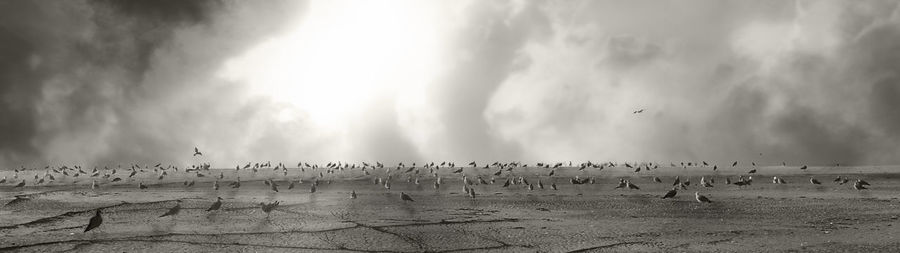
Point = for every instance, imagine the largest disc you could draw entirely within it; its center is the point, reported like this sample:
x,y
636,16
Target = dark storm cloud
x,y
80,79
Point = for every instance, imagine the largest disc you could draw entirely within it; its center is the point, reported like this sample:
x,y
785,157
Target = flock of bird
x,y
380,175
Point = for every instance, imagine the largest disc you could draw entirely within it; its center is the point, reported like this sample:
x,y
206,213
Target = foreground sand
x,y
577,218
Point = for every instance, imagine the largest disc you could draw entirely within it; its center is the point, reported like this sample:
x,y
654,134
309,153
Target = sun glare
x,y
340,56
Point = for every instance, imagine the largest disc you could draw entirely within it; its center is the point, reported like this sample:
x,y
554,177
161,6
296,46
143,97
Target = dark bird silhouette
x,y
734,164
21,184
94,222
353,194
701,198
141,185
174,210
632,186
197,152
751,171
803,167
18,199
814,181
671,193
216,205
677,181
638,111
859,186
657,180
267,208
405,197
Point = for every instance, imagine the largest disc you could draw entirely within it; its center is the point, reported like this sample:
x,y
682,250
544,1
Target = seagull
x,y
174,210
632,186
216,185
405,197
19,198
216,205
859,186
701,198
638,111
814,181
553,186
267,208
197,152
21,184
657,180
3,180
141,185
94,222
353,194
273,186
471,192
671,193
862,182
622,184
677,181
752,171
312,188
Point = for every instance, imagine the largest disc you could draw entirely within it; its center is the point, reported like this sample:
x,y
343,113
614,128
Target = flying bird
x,y
638,111
197,152
701,198
94,222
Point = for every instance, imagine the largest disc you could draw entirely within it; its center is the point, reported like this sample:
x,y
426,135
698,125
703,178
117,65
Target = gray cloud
x,y
106,82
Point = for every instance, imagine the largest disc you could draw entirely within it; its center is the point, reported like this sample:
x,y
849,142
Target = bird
x,y
638,111
859,186
267,208
405,197
632,186
312,189
471,192
862,182
174,210
353,194
216,205
701,198
752,171
273,186
141,185
94,222
803,167
21,184
814,181
671,193
553,186
216,185
19,198
622,184
657,180
197,152
3,180
677,181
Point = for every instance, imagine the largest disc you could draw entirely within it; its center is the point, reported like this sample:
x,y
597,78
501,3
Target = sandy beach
x,y
796,216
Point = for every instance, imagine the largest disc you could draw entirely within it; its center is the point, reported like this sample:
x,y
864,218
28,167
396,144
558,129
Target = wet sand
x,y
797,216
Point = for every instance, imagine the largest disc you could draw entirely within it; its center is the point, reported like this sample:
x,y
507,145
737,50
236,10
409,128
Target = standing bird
x,y
312,189
141,185
671,193
701,198
21,184
216,205
174,210
814,181
553,186
353,194
94,222
632,186
216,185
657,180
859,185
197,152
405,197
267,208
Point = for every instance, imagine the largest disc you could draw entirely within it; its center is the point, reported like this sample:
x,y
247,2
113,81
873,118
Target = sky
x,y
97,82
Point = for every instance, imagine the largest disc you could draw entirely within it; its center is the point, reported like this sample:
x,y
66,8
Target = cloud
x,y
109,82
790,85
